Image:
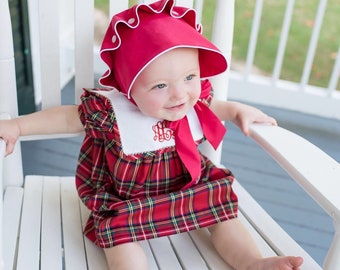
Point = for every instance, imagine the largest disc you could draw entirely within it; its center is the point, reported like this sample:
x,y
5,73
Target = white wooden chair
x,y
42,217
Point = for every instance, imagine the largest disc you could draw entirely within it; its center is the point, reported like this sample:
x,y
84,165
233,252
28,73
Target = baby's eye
x,y
190,77
159,86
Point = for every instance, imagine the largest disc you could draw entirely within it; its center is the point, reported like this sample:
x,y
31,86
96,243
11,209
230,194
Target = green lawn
x,y
299,36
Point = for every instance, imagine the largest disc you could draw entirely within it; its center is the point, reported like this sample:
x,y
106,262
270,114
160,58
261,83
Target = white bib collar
x,y
140,133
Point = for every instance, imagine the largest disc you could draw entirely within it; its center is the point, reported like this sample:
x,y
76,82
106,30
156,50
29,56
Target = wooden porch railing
x,y
245,85
273,91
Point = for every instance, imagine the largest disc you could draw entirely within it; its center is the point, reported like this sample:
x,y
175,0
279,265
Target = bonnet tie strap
x,y
213,131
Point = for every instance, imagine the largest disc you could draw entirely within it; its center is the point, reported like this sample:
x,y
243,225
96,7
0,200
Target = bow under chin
x,y
213,131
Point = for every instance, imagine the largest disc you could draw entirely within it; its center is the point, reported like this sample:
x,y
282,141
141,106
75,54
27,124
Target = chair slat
x,y
262,245
75,257
95,255
12,211
29,245
152,264
201,239
187,252
164,254
51,231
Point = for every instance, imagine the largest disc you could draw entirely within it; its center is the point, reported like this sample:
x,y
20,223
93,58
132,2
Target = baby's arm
x,y
61,119
240,114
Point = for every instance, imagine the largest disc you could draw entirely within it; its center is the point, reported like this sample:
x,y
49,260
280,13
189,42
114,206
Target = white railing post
x,y
313,43
253,37
283,40
335,75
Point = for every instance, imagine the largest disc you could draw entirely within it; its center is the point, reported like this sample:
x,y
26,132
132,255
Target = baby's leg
x,y
237,248
126,256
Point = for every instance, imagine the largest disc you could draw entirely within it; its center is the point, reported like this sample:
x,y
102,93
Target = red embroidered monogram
x,y
161,132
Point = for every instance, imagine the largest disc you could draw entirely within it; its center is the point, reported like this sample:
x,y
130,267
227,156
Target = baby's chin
x,y
175,117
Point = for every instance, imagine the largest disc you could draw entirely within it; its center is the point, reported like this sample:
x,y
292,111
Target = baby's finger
x,y
9,148
245,128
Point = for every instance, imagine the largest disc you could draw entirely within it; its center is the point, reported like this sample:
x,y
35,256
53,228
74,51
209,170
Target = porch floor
x,y
282,198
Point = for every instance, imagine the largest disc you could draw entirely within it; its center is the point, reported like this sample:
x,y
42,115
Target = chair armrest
x,y
50,136
315,171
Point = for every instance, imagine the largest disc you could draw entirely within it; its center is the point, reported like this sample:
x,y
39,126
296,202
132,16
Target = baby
x,y
139,170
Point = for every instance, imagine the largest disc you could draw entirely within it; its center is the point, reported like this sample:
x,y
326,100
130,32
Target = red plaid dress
x,y
134,197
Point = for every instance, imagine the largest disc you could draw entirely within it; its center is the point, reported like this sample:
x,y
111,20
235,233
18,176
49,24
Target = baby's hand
x,y
9,132
248,115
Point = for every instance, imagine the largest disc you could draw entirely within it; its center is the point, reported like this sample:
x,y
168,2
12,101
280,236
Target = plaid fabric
x,y
138,197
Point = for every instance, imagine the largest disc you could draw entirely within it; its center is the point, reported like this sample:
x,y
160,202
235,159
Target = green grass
x,y
269,34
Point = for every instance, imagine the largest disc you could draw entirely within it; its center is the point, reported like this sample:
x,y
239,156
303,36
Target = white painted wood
x,y
265,249
208,252
118,6
332,260
258,89
51,231
269,230
8,102
152,264
300,159
187,253
84,34
335,75
201,239
49,53
50,136
185,3
164,254
95,255
66,22
199,9
12,212
283,40
41,196
315,171
313,43
75,257
33,19
247,86
253,37
29,245
2,155
222,37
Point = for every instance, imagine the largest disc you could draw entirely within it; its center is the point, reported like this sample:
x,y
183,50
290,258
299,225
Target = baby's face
x,y
169,86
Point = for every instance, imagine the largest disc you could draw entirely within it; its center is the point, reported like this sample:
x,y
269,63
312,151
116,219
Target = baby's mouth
x,y
177,107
